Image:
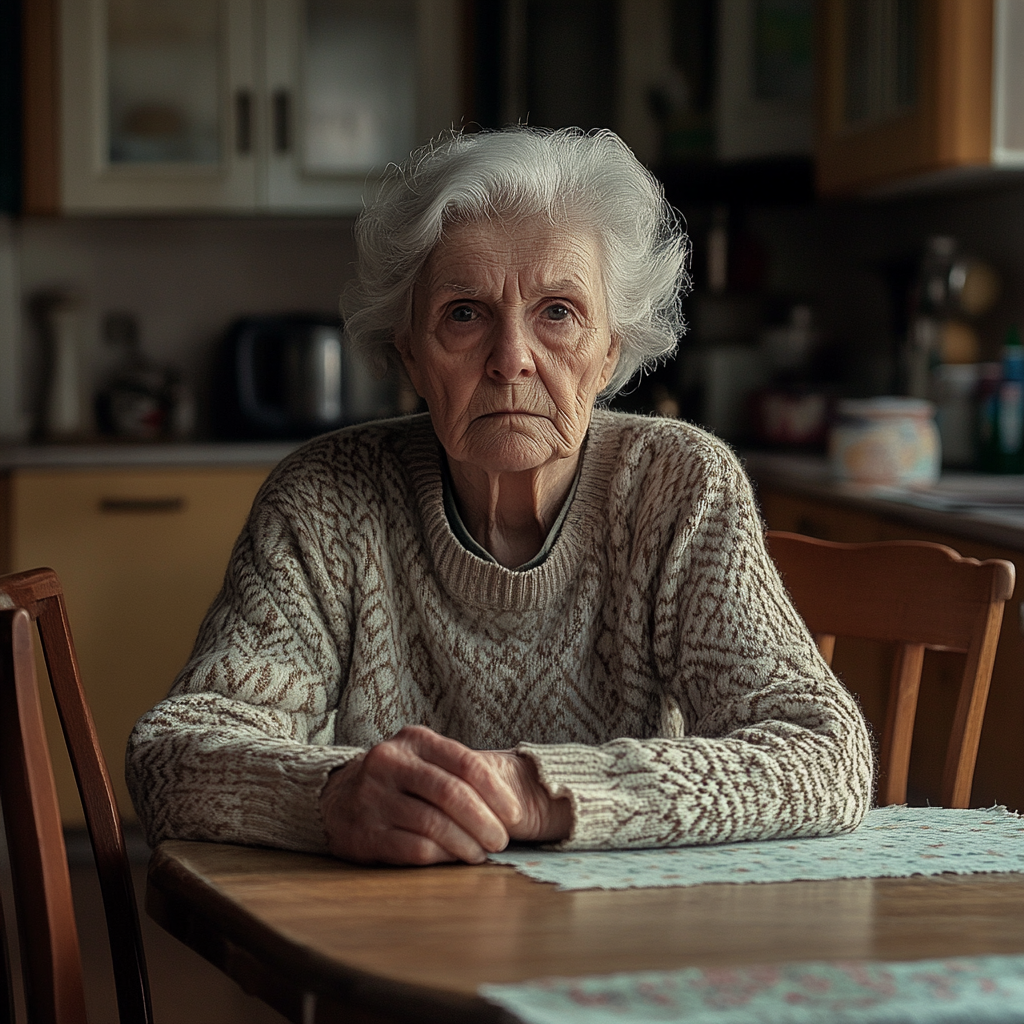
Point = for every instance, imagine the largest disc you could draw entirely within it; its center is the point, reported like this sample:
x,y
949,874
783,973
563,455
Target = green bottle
x,y
1009,432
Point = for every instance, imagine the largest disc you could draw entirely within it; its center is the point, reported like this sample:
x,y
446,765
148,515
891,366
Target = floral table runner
x,y
964,990
893,842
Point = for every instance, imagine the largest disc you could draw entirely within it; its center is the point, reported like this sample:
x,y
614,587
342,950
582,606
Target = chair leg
x,y
899,724
130,974
958,774
6,980
50,956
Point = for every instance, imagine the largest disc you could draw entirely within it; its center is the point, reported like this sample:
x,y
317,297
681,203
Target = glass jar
x,y
886,442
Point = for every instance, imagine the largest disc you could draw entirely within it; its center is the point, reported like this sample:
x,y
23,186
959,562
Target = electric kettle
x,y
290,377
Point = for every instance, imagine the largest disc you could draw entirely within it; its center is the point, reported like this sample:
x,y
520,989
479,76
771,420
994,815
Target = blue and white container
x,y
886,442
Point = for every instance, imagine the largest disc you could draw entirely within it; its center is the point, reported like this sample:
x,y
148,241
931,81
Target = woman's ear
x,y
403,345
611,360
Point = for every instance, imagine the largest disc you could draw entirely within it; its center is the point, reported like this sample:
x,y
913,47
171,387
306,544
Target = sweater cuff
x,y
585,775
251,795
285,813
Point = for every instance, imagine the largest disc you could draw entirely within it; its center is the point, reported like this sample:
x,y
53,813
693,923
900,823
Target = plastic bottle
x,y
1001,412
1011,404
990,379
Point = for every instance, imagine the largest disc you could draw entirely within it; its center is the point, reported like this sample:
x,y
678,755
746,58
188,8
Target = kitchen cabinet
x,y
141,553
149,106
999,776
918,93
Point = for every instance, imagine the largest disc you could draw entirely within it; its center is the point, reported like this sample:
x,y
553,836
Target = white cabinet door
x,y
158,105
350,86
235,105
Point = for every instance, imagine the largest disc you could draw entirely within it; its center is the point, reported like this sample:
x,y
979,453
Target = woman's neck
x,y
511,514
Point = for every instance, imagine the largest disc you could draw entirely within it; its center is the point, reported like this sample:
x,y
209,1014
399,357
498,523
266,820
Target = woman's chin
x,y
511,452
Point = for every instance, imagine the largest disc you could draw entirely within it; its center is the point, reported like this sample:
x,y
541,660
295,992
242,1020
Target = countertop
x,y
972,505
976,506
112,454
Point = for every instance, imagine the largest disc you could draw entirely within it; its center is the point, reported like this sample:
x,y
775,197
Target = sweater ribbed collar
x,y
473,581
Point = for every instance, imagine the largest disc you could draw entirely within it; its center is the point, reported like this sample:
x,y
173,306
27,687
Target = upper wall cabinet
x,y
918,92
240,105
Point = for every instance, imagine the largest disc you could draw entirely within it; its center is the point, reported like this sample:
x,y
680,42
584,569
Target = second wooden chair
x,y
917,595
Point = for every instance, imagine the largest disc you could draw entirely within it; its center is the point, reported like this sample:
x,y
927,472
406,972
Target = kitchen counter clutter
x,y
974,506
981,517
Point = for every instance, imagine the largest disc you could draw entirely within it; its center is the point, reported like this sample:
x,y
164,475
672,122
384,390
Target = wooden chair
x,y
917,595
51,961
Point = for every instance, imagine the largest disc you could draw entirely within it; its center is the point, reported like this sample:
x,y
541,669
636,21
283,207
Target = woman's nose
x,y
511,355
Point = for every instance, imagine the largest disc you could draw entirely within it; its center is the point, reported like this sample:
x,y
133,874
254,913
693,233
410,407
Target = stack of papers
x,y
960,492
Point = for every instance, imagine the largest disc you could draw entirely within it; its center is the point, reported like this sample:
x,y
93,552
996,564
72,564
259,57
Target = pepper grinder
x,y
64,410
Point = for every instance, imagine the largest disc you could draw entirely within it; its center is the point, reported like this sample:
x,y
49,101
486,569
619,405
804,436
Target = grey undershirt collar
x,y
466,539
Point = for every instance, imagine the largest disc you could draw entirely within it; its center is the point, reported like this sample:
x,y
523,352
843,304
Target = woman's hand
x,y
421,798
544,819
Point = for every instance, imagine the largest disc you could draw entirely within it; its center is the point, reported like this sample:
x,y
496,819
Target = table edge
x,y
232,940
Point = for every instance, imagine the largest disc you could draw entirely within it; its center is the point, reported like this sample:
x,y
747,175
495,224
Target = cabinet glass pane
x,y
358,84
881,60
162,81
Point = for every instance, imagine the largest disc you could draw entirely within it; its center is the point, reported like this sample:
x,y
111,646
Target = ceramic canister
x,y
887,441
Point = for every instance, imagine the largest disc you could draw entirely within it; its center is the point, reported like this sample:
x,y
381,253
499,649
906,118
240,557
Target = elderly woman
x,y
516,616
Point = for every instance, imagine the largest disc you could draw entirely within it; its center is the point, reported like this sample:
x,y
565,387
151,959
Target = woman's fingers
x,y
472,766
456,801
410,762
419,798
410,848
416,817
368,819
544,818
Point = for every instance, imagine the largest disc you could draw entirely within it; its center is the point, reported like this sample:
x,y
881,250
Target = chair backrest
x,y
51,962
917,595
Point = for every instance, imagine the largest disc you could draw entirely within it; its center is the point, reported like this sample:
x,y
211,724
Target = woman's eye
x,y
463,314
556,311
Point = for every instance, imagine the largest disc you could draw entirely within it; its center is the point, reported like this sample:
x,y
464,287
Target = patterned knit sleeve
x,y
773,744
240,750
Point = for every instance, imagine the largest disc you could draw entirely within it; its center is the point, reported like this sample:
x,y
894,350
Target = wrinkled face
x,y
510,342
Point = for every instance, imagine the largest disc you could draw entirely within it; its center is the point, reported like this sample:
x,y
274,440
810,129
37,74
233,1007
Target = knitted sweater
x,y
652,667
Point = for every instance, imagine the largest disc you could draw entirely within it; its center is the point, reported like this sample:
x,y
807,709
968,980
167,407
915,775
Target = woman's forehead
x,y
470,254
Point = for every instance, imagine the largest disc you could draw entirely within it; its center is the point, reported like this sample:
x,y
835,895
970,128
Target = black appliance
x,y
288,377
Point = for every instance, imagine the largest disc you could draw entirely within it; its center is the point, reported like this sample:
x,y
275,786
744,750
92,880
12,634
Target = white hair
x,y
581,180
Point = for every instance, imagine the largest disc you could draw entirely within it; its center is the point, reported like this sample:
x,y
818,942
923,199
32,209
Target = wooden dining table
x,y
324,941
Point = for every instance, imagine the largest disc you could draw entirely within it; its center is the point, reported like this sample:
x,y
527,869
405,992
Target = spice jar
x,y
887,441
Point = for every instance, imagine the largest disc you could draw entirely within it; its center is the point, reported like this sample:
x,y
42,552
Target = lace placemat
x,y
965,990
893,842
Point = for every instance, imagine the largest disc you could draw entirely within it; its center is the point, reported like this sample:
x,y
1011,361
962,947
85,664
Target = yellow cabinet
x,y
141,553
917,92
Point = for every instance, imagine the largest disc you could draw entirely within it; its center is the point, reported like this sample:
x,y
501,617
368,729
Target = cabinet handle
x,y
121,506
281,103
243,121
